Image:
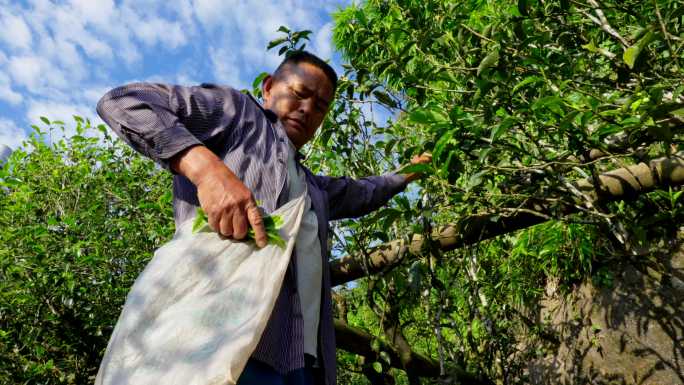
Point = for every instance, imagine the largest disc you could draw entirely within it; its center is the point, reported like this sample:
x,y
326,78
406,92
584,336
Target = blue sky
x,y
57,58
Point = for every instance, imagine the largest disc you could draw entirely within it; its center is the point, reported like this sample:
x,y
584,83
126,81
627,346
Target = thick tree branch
x,y
624,183
359,342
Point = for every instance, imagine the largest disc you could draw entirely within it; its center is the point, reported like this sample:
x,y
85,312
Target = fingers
x,y
226,225
257,223
214,221
239,225
423,158
230,206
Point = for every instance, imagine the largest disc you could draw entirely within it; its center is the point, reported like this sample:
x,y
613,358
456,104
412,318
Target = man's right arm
x,y
171,125
160,121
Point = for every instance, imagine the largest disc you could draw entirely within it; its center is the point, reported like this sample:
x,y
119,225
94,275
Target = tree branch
x,y
359,342
603,23
623,183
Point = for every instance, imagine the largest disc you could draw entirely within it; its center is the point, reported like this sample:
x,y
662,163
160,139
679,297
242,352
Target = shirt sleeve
x,y
159,120
351,198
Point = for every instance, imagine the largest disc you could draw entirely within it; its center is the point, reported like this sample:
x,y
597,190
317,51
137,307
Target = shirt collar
x,y
270,115
298,155
273,117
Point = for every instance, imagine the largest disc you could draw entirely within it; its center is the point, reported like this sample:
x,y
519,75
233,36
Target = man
x,y
227,151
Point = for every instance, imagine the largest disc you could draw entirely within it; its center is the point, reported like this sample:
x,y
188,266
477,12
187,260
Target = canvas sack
x,y
196,313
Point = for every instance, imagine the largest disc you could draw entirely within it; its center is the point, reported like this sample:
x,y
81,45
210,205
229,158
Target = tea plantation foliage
x,y
514,99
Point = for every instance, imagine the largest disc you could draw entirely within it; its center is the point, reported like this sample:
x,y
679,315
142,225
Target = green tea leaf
x,y
200,220
526,81
488,62
632,53
276,239
502,127
278,221
415,168
259,79
276,42
384,98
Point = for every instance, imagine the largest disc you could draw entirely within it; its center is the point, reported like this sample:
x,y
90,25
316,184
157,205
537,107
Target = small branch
x,y
603,23
527,211
444,89
543,166
477,34
664,30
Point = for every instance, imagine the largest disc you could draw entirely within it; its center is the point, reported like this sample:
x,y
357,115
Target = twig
x,y
556,163
528,211
444,89
603,23
663,30
477,34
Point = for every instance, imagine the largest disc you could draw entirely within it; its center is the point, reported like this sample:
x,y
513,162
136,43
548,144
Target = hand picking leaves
x,y
272,223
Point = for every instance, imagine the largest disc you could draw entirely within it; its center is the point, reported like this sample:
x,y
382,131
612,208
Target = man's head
x,y
300,92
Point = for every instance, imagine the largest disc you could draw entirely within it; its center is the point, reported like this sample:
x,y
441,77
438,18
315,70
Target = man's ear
x,y
266,85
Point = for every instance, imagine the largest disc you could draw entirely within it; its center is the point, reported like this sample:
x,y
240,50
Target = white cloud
x,y
57,58
35,72
225,67
15,32
160,31
6,92
92,95
98,12
55,110
322,42
242,53
10,134
69,27
211,12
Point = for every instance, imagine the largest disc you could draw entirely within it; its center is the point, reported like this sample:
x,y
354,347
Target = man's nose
x,y
306,106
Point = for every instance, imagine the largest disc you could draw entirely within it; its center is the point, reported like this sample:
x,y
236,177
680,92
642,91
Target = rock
x,y
630,333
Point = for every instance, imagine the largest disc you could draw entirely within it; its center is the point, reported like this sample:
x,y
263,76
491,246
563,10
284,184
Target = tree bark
x,y
623,183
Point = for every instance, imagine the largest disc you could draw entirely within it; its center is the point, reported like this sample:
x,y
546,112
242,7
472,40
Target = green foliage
x,y
513,99
80,218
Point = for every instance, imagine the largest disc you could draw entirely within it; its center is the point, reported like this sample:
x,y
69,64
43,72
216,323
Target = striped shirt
x,y
160,121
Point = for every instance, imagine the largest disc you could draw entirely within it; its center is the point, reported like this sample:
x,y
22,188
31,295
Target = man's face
x,y
300,97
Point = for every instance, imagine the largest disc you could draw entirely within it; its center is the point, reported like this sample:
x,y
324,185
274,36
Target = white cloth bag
x,y
196,313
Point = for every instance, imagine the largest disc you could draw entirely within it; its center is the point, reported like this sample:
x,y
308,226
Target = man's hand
x,y
418,159
228,203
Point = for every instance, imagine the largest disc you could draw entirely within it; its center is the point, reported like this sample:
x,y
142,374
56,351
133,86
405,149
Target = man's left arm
x,y
351,198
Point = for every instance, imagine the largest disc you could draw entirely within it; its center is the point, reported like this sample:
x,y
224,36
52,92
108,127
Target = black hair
x,y
296,57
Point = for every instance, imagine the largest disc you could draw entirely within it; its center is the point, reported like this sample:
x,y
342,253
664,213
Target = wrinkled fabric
x,y
197,311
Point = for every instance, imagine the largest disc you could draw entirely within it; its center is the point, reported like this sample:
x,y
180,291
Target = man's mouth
x,y
296,123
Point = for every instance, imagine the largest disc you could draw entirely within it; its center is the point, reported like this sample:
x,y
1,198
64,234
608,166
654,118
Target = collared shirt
x,y
160,121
